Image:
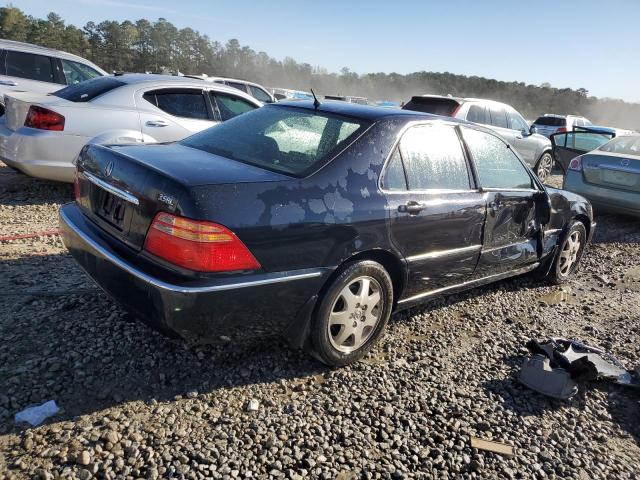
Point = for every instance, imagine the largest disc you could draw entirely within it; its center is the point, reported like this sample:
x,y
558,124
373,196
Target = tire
x,y
567,260
347,322
544,166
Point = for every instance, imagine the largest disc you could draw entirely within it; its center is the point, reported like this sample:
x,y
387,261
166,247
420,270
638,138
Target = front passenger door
x,y
510,239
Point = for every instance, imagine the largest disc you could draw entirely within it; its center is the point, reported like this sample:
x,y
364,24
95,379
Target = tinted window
x,y
437,106
231,106
287,140
433,159
582,141
185,103
497,165
239,86
30,66
499,117
477,114
551,121
394,178
517,122
87,91
260,94
76,72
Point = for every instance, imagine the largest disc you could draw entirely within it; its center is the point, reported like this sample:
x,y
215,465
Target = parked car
x,y
256,90
348,98
30,68
549,123
534,149
604,170
240,230
287,93
41,135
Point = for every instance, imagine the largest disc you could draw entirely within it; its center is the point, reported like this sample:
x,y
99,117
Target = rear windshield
x,y
286,140
89,89
623,145
551,121
435,106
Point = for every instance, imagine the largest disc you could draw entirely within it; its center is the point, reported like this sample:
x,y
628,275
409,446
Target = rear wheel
x,y
352,313
544,167
568,258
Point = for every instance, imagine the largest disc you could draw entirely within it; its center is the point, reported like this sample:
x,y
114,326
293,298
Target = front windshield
x,y
284,139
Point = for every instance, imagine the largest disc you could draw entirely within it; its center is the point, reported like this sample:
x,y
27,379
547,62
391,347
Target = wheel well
x,y
585,220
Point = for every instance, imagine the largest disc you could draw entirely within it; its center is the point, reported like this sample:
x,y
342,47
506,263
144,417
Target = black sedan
x,y
314,221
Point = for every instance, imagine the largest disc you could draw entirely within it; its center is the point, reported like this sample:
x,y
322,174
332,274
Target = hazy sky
x,y
590,44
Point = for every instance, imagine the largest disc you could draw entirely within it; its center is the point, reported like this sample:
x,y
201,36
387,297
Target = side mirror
x,y
543,207
533,130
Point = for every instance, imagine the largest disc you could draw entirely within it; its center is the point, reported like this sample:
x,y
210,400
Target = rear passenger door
x,y
436,214
175,113
511,230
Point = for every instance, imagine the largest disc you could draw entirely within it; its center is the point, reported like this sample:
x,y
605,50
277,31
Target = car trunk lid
x,y
612,170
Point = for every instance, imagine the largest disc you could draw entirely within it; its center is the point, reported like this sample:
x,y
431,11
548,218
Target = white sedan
x,y
41,135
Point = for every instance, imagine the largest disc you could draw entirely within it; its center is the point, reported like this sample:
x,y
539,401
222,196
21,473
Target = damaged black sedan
x,y
314,221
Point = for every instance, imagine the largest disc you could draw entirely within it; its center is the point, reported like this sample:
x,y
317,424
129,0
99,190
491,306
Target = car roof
x,y
207,78
462,100
31,48
363,112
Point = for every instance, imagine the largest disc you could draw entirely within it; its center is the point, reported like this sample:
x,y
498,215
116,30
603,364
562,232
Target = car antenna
x,y
316,102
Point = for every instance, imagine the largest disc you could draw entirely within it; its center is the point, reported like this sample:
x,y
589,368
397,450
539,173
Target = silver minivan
x,y
29,68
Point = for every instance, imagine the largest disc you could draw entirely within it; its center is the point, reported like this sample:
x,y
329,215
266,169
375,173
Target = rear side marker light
x,y
44,119
576,164
197,245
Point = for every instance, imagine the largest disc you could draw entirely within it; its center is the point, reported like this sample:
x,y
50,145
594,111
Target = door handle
x,y
412,208
157,123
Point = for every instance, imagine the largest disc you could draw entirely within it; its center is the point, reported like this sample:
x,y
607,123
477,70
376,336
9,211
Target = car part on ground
x,y
500,117
276,180
41,135
559,364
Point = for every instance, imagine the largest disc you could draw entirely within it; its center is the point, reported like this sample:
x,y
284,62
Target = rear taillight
x,y
576,164
44,119
561,130
76,186
455,111
197,245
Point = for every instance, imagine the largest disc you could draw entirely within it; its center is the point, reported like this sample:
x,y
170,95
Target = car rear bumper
x,y
601,197
240,305
40,153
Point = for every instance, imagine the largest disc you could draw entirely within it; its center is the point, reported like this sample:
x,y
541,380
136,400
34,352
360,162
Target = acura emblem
x,y
625,162
108,169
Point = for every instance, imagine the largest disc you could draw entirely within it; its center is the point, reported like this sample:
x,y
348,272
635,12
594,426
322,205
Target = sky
x,y
567,43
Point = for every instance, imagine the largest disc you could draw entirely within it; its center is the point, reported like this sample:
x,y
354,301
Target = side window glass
x,y
497,165
76,72
582,141
29,66
393,178
433,159
189,104
476,114
517,122
260,94
239,86
499,117
231,106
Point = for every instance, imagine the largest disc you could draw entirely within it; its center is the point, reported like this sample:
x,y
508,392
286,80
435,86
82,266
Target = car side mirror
x,y
543,207
533,130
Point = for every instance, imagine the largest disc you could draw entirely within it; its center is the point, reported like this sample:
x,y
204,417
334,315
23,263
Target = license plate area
x,y
111,209
623,179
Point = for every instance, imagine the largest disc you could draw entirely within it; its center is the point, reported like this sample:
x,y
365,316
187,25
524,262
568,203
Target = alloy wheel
x,y
569,253
544,167
355,314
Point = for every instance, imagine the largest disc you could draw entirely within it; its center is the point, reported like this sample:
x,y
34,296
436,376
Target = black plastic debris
x,y
557,366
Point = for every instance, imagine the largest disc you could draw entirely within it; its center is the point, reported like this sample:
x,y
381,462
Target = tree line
x,y
158,46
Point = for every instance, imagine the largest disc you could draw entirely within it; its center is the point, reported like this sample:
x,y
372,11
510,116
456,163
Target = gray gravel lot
x,y
135,404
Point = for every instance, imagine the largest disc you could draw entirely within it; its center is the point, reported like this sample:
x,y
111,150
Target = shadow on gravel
x,y
616,229
19,189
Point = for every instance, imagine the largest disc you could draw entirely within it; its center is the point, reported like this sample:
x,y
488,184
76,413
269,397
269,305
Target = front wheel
x,y
544,167
568,258
352,314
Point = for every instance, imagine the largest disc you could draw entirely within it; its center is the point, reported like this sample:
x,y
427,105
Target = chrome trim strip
x,y
614,168
493,249
552,231
470,283
111,189
102,252
443,253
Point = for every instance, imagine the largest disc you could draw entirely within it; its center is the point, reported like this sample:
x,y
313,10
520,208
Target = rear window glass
x,y
623,145
551,121
88,90
435,106
286,140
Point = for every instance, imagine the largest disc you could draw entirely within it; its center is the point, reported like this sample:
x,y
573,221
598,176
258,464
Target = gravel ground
x,y
135,404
